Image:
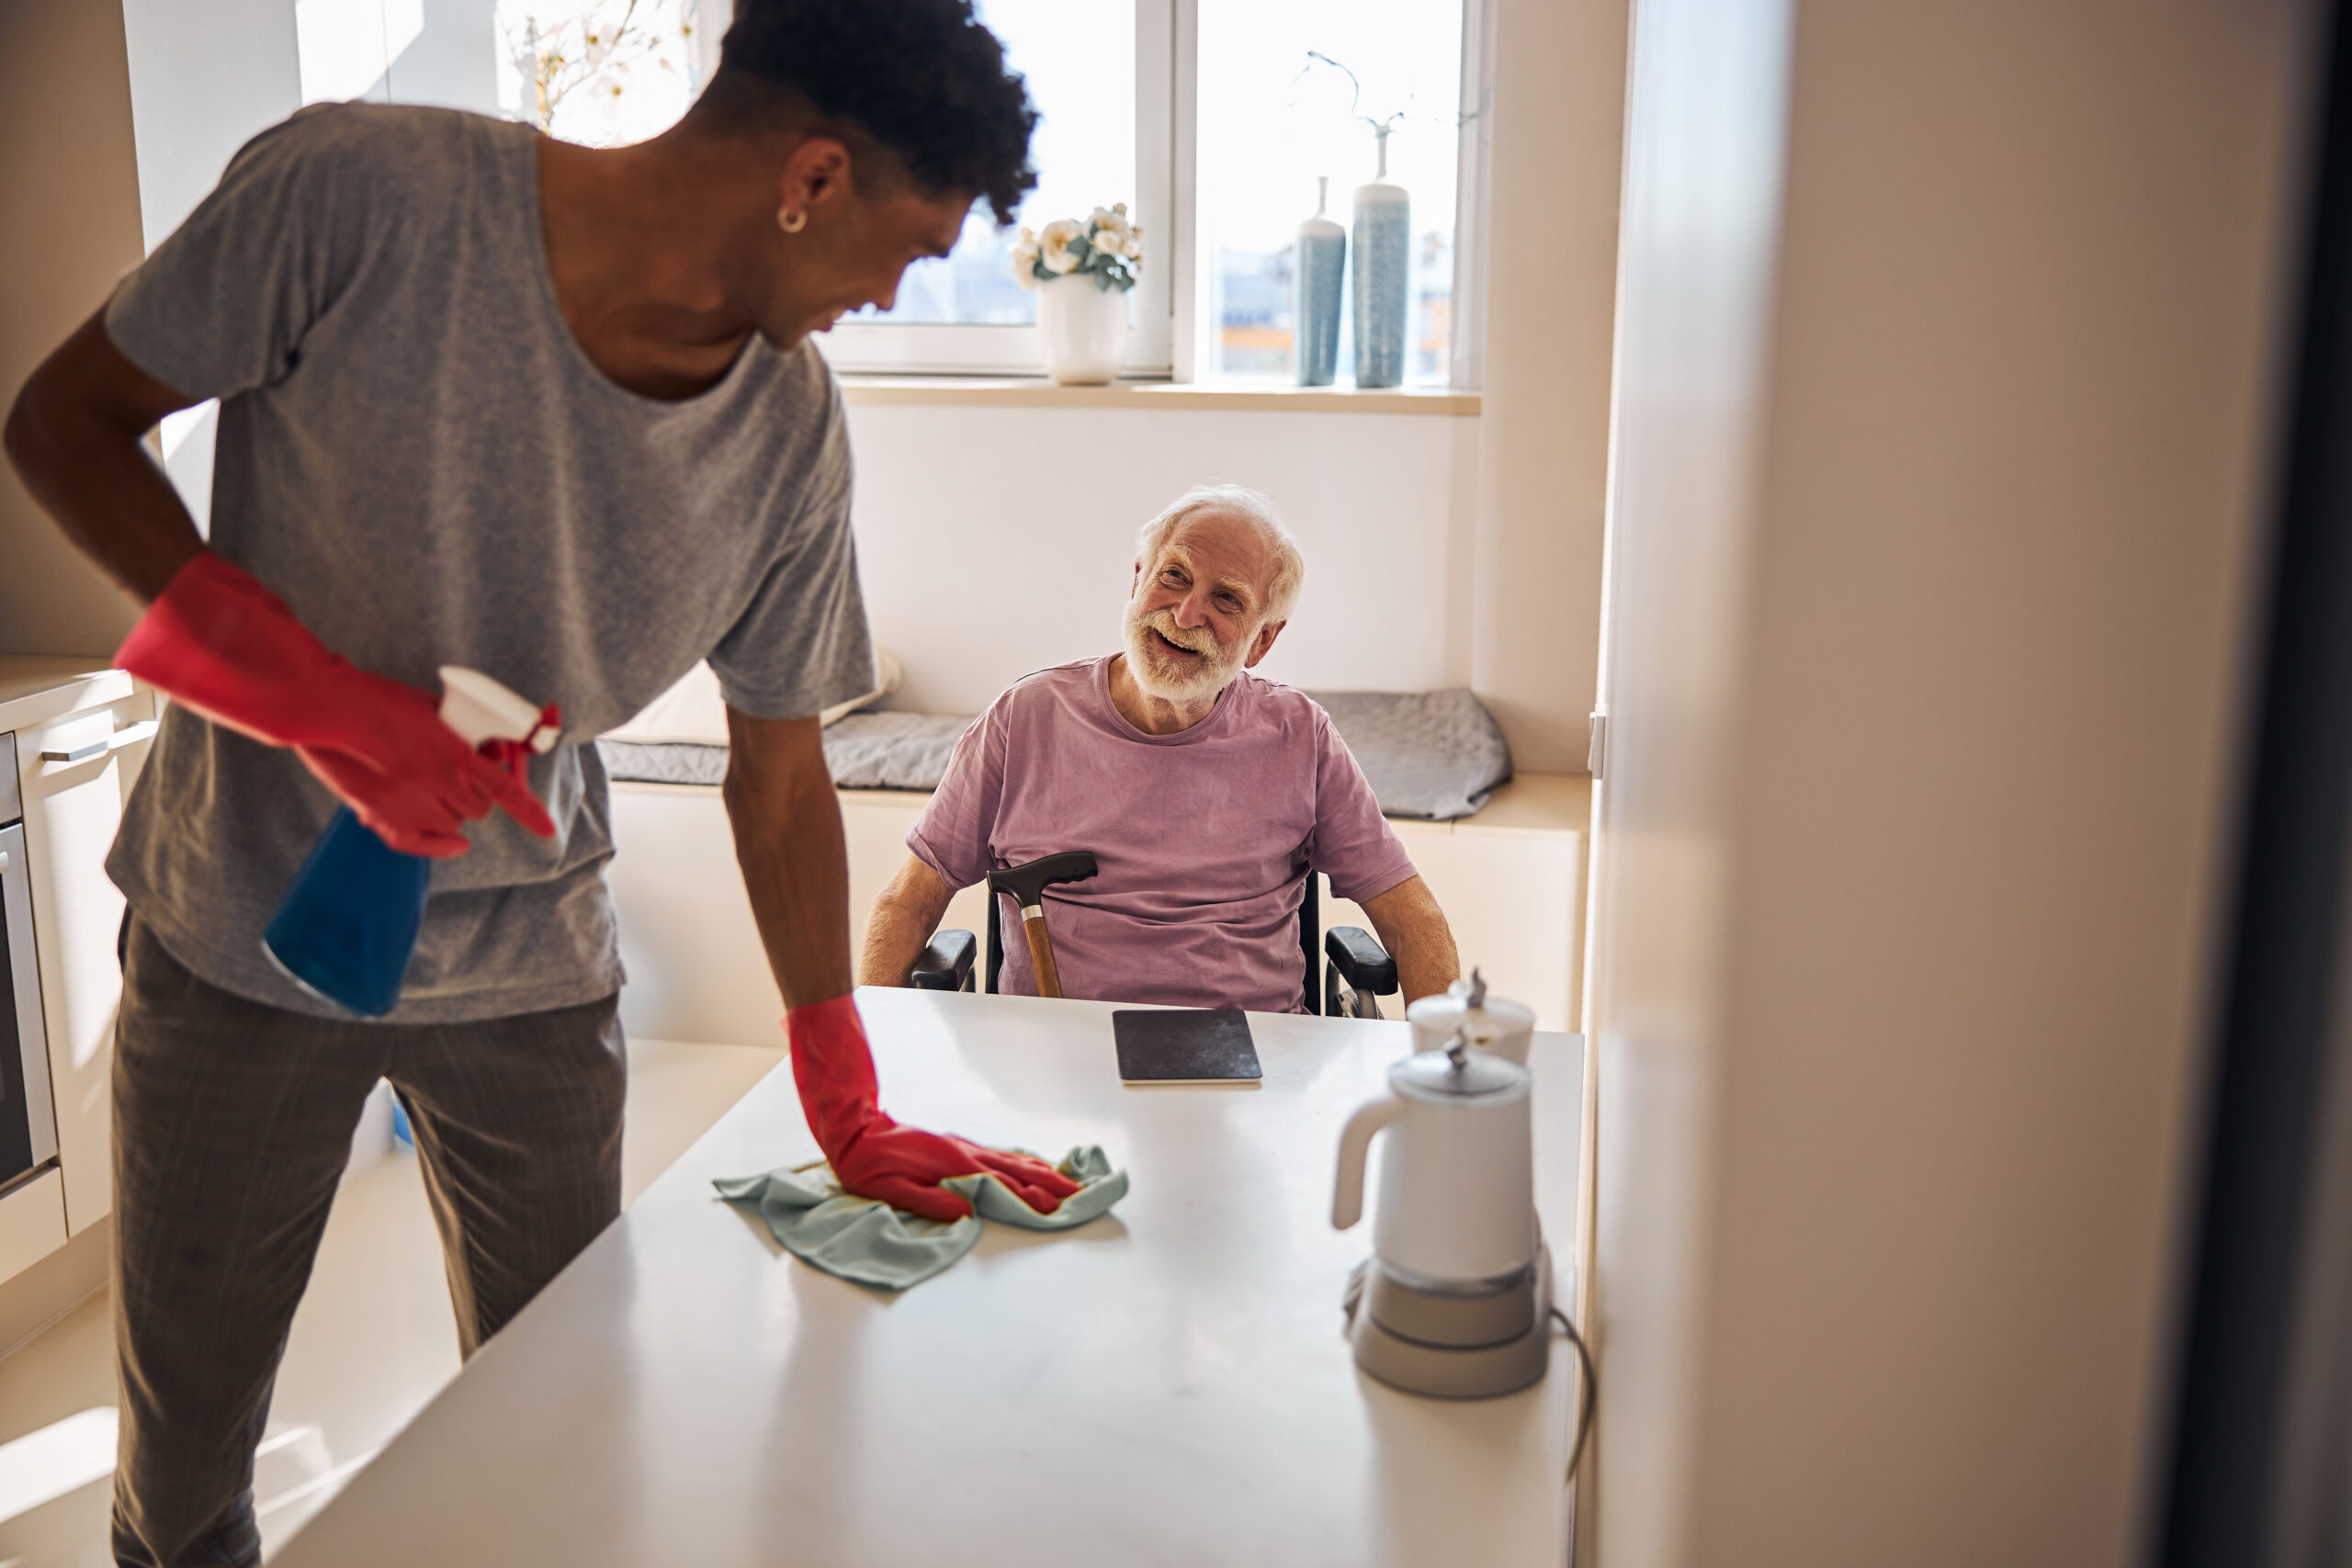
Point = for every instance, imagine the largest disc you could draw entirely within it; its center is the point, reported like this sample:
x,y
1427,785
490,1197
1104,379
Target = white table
x,y
1167,1384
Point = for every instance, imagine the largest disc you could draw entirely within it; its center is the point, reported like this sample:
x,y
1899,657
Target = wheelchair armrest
x,y
1363,963
946,964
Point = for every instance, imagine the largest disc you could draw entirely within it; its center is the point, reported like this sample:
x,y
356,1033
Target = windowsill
x,y
974,391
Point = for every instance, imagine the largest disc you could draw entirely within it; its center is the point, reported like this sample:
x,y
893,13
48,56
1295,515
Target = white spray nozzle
x,y
480,709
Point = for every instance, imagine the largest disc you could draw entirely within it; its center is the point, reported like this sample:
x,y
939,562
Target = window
x,y
1078,55
1099,72
1212,120
602,72
1290,90
1233,121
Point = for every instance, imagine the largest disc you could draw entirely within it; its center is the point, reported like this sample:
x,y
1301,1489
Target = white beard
x,y
1172,680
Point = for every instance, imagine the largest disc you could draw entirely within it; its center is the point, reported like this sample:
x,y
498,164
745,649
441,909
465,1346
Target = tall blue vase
x,y
1320,280
1383,266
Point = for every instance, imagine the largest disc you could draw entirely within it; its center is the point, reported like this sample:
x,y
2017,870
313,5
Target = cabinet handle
x,y
129,734
3,860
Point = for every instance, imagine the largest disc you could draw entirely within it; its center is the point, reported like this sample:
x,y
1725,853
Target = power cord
x,y
1590,1398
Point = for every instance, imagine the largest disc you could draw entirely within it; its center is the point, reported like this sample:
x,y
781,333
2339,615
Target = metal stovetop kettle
x,y
1454,1299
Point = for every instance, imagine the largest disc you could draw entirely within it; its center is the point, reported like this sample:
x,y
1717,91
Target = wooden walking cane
x,y
1027,885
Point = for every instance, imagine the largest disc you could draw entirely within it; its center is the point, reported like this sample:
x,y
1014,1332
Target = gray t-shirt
x,y
413,451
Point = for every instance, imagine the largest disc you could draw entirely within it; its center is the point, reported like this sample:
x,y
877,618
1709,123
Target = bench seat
x,y
1510,877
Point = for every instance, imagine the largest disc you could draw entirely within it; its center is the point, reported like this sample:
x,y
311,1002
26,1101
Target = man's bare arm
x,y
1413,928
787,824
901,924
74,438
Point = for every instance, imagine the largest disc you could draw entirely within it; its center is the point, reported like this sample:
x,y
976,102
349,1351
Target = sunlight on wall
x,y
347,46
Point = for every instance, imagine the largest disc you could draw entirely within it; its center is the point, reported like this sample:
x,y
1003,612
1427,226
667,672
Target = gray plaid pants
x,y
232,1125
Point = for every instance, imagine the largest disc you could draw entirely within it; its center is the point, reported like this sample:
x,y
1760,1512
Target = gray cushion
x,y
1433,754
664,762
865,751
893,750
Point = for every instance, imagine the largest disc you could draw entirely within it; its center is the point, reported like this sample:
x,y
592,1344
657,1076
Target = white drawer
x,y
75,773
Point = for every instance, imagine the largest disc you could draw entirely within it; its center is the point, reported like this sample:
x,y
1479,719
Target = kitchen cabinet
x,y
81,734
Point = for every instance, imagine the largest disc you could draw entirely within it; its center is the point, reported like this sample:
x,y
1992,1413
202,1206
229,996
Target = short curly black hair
x,y
924,78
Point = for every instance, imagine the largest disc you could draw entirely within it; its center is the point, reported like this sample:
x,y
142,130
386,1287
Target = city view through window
x,y
1273,118
1289,90
1079,59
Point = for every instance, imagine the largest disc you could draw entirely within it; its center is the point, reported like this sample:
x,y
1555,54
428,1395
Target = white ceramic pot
x,y
1081,331
1457,1181
1493,1023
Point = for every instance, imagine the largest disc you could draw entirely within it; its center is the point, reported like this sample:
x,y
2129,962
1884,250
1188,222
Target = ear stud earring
x,y
790,221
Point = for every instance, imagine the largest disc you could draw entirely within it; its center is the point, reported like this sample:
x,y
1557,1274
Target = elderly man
x,y
1206,793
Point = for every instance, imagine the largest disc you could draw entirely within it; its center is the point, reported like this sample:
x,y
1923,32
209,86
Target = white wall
x,y
996,541
134,111
203,79
1556,128
69,227
1701,225
453,61
1941,469
441,52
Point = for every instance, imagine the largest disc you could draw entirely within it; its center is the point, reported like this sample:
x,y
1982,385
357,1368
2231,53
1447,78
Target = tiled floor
x,y
372,1343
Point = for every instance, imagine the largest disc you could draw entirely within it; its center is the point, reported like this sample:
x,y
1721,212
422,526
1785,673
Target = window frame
x,y
1168,327
907,348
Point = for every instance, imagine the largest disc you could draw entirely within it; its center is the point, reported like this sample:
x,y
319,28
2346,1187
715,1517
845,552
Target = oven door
x,y
28,1119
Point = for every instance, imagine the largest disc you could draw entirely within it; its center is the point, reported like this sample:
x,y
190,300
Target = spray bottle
x,y
348,925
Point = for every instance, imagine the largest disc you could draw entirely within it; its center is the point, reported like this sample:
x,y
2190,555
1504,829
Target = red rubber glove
x,y
219,641
872,1156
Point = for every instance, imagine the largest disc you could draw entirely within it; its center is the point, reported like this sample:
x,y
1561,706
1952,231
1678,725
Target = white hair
x,y
1235,500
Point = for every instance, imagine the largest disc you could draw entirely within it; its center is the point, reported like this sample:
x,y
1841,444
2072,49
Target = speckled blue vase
x,y
1320,279
1384,255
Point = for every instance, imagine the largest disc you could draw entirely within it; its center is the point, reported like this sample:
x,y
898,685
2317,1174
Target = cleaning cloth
x,y
870,1242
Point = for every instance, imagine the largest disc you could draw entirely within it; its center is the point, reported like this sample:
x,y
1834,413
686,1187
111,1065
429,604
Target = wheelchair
x,y
1358,969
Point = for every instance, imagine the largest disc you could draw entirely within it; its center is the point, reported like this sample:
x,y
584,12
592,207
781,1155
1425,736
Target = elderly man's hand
x,y
872,1156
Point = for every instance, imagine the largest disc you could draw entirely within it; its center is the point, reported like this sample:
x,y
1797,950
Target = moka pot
x,y
1454,1300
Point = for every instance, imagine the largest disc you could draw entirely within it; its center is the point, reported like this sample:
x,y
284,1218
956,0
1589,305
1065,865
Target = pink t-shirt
x,y
1203,838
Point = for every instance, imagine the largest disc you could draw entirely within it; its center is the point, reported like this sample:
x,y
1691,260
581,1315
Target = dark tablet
x,y
1184,1045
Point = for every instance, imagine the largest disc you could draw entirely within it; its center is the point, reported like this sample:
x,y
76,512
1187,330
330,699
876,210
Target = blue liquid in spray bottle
x,y
348,925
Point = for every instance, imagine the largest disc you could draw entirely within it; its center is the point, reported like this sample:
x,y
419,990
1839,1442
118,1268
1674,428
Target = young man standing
x,y
549,413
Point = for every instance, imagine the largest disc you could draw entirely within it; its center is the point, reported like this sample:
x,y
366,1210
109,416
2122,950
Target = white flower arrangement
x,y
1106,248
